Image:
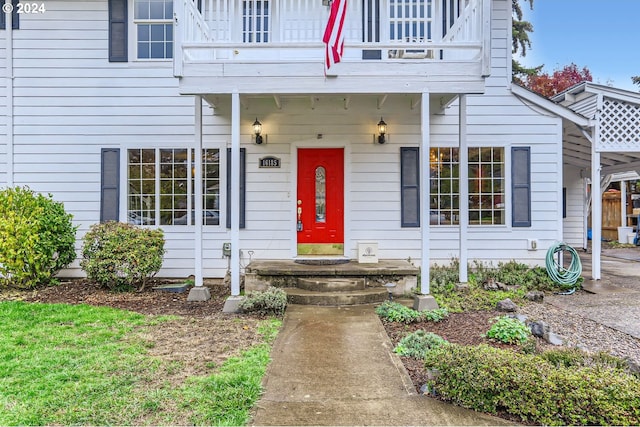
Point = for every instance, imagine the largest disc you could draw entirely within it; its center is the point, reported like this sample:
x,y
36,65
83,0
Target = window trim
x,y
15,17
133,35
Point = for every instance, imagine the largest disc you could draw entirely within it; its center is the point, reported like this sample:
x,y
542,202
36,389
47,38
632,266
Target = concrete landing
x,y
335,366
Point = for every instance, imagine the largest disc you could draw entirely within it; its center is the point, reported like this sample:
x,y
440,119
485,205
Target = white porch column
x,y
623,204
198,192
596,200
424,301
425,185
235,194
198,292
464,189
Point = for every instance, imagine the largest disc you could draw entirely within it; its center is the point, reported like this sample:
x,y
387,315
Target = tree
x,y
550,85
521,42
636,80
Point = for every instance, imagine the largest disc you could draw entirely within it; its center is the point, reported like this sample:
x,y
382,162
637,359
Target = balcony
x,y
390,45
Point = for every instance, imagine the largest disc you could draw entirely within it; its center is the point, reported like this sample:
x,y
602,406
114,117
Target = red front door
x,y
320,205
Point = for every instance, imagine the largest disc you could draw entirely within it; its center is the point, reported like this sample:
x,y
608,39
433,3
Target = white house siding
x,y
70,102
573,223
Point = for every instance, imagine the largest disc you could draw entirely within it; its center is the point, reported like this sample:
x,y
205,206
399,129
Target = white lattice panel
x,y
619,126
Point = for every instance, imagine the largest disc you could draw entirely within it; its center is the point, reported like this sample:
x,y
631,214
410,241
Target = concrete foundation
x,y
424,302
232,304
199,293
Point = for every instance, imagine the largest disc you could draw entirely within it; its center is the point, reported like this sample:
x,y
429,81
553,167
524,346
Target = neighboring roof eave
x,y
546,104
594,88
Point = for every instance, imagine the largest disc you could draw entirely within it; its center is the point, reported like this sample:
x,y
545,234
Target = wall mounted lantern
x,y
257,130
382,131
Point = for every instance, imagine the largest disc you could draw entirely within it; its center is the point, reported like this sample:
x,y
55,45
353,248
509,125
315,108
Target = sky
x,y
603,36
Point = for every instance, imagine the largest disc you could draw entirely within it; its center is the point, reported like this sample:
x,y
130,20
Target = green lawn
x,y
77,364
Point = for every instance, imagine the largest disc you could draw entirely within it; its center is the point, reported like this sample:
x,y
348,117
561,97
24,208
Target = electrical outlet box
x,y
532,244
226,249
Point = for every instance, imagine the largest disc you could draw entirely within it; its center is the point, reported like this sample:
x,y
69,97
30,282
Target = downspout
x,y
9,85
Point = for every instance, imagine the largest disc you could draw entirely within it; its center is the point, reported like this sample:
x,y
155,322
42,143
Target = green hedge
x,y
37,238
492,380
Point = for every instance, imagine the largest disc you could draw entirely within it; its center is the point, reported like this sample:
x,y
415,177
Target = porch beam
x,y
464,189
347,102
278,102
382,100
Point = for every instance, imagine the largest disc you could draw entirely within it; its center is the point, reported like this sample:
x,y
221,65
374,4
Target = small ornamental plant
x,y
509,330
272,301
418,343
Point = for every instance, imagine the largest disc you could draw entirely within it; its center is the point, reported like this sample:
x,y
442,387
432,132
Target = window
x,y
255,21
445,192
486,185
153,20
161,186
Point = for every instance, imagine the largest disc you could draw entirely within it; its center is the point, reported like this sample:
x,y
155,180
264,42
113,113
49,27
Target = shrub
x,y
493,380
509,330
574,357
37,238
273,301
395,312
417,343
122,256
435,315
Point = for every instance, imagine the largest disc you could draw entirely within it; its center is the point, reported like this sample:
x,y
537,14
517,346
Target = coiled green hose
x,y
558,273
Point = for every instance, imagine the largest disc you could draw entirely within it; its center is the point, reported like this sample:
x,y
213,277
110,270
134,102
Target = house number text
x,y
270,162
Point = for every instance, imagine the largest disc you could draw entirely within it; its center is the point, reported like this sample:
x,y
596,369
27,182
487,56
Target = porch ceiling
x,y
576,150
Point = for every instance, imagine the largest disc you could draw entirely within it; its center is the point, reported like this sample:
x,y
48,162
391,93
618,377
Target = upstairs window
x,y
255,21
153,20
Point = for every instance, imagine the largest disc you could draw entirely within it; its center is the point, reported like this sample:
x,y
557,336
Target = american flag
x,y
333,35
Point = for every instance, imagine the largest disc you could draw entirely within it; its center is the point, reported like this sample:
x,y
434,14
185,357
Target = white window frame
x,y
133,34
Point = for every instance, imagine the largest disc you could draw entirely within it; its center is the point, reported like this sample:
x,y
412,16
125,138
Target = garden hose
x,y
558,273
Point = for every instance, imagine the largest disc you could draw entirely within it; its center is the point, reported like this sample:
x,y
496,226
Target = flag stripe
x,y
333,34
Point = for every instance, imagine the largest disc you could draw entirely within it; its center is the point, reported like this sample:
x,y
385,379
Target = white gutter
x,y
9,85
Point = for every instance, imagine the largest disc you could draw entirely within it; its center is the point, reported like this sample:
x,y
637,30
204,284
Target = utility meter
x,y
226,249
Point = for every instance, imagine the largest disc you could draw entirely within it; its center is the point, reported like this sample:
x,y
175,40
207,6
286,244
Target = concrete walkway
x,y
613,301
335,366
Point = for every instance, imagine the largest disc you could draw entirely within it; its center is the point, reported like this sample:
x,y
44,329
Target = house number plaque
x,y
270,162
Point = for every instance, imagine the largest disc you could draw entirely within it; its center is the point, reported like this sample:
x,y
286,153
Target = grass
x,y
77,364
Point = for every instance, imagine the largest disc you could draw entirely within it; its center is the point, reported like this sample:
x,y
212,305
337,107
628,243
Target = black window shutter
x,y
110,185
521,186
118,24
410,186
242,186
15,21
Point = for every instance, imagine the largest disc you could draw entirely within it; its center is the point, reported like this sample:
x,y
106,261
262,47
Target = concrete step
x,y
330,284
355,297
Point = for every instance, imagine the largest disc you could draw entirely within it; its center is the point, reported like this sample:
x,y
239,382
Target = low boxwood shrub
x,y
272,301
122,256
392,311
395,312
416,344
509,330
527,386
37,238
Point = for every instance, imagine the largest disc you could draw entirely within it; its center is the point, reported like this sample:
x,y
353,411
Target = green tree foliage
x,y
636,80
520,42
37,238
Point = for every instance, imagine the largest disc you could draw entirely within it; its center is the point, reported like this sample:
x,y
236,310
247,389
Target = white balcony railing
x,y
214,30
